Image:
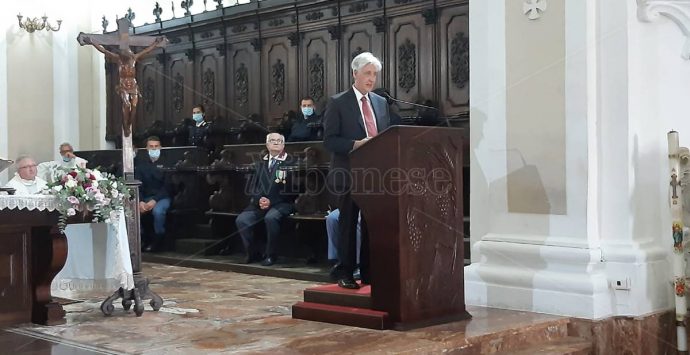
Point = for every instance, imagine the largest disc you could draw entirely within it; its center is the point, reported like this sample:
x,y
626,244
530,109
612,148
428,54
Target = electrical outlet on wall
x,y
621,284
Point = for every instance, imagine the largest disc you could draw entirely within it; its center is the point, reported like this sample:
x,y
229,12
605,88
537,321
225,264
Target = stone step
x,y
203,231
198,246
561,346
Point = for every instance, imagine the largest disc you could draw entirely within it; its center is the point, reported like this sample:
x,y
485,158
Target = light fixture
x,y
34,24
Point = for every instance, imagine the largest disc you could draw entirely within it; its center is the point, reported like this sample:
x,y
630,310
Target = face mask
x,y
198,117
66,159
307,111
154,153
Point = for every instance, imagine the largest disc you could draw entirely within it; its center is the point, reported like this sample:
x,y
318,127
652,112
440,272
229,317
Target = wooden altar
x,y
32,252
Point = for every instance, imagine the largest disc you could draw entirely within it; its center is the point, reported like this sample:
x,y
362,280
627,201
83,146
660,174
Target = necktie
x,y
368,118
272,164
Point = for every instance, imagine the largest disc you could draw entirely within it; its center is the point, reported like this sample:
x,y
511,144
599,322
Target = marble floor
x,y
211,312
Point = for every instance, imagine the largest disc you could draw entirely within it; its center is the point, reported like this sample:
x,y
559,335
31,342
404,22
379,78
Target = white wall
x,y
625,87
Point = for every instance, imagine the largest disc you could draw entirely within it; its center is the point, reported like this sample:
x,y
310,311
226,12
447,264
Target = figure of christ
x,y
127,89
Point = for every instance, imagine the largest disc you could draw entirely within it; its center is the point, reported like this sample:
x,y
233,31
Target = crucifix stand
x,y
128,91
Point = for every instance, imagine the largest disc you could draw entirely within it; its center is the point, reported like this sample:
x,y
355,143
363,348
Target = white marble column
x,y
567,166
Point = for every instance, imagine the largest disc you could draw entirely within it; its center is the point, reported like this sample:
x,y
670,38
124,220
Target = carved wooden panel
x,y
358,38
261,61
454,60
178,85
411,64
279,79
243,81
318,72
15,271
209,86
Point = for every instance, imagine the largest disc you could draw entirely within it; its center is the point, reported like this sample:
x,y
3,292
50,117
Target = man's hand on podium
x,y
360,143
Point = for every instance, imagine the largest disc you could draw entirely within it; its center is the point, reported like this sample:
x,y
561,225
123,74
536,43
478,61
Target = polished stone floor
x,y
210,312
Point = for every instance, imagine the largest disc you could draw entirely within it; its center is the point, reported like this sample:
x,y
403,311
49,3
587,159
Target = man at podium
x,y
351,118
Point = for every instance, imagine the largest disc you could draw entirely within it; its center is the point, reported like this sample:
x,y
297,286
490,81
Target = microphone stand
x,y
387,96
410,103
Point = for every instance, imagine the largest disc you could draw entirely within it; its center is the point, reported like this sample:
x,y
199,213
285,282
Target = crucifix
x,y
128,91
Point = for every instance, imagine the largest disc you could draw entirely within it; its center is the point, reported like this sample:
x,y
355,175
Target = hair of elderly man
x,y
22,158
363,59
268,136
65,144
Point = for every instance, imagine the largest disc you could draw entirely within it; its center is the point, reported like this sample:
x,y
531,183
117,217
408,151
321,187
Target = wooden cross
x,y
127,89
674,184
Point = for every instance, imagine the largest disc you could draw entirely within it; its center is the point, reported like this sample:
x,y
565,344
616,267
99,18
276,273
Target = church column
x,y
555,213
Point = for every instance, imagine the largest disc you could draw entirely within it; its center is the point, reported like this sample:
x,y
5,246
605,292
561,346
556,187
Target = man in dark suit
x,y
154,192
271,200
306,125
351,118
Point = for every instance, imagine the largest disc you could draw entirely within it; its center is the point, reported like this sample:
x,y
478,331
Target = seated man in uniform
x,y
25,181
199,130
305,126
271,200
154,196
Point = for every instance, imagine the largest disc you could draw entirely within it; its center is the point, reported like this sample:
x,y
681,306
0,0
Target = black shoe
x,y
348,282
270,260
252,257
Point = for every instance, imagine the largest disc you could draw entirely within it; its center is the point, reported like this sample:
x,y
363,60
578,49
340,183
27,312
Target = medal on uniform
x,y
280,176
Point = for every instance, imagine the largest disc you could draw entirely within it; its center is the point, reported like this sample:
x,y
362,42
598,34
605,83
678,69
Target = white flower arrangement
x,y
85,190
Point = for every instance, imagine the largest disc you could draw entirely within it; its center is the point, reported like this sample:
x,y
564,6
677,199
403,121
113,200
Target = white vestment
x,y
26,187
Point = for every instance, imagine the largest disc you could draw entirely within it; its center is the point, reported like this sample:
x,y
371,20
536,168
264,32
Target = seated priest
x,y
49,169
272,199
154,196
25,180
307,123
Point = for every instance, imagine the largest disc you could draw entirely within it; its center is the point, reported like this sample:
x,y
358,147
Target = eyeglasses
x,y
276,141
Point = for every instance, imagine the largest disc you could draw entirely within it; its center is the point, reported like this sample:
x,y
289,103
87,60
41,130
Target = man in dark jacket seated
x,y
271,200
307,124
154,196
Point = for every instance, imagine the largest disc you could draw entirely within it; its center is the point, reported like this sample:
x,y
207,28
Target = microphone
x,y
389,97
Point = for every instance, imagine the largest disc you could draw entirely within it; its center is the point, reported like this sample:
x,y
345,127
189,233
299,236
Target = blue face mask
x,y
66,159
198,117
307,111
154,153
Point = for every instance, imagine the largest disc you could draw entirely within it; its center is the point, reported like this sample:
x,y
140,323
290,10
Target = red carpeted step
x,y
334,295
353,316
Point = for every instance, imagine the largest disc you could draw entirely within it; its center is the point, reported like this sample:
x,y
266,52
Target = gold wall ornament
x,y
35,24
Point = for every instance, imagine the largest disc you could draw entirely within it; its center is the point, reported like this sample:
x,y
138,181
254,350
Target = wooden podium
x,y
408,184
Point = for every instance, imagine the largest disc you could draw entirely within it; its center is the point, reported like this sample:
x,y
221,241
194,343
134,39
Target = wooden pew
x,y
230,176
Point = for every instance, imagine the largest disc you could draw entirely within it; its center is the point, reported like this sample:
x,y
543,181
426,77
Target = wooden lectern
x,y
408,183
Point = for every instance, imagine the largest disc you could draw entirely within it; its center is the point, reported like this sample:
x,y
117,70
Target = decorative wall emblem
x,y
149,94
278,82
316,77
534,8
407,65
178,93
677,11
460,60
314,16
358,7
241,85
208,83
